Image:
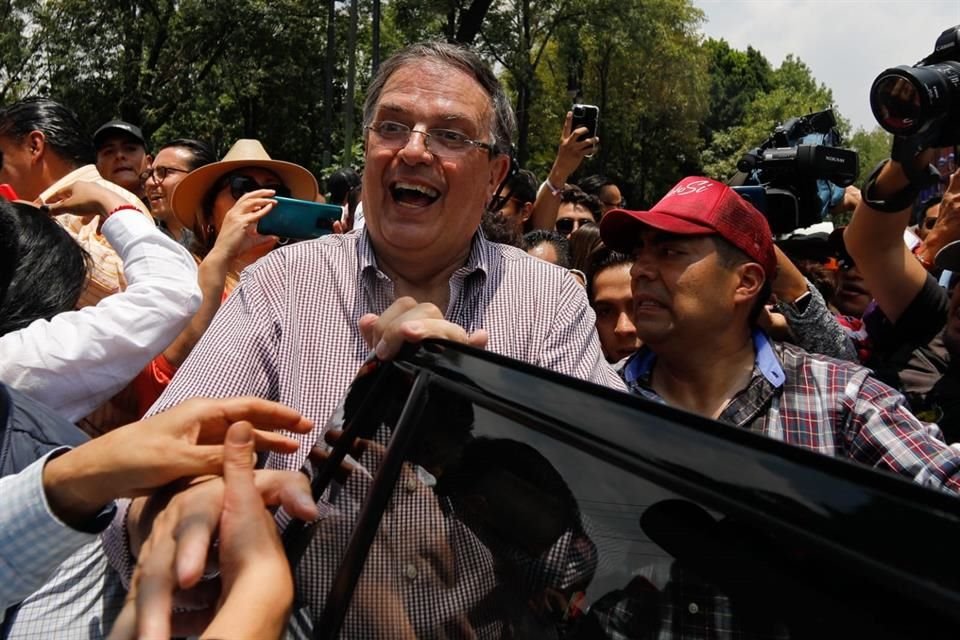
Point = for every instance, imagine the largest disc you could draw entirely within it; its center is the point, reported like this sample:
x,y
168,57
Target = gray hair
x,y
458,57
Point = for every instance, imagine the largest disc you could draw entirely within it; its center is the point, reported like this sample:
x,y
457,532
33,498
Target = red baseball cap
x,y
697,206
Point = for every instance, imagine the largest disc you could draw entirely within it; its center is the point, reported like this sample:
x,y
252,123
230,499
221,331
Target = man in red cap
x,y
703,266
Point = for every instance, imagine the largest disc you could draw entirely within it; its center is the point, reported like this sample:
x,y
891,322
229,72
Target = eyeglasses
x,y
569,225
440,142
240,184
159,174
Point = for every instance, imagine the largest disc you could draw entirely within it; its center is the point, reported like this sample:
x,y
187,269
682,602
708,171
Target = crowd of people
x,y
152,341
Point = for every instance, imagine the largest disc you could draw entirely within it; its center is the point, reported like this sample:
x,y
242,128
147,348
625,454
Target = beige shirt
x,y
106,269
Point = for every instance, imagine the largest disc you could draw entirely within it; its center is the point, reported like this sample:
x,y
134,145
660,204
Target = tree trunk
x,y
351,81
328,67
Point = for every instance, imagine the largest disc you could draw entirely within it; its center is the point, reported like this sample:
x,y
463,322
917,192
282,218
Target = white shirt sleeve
x,y
33,541
79,359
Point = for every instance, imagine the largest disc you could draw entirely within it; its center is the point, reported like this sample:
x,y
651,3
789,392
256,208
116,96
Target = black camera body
x,y
785,176
923,100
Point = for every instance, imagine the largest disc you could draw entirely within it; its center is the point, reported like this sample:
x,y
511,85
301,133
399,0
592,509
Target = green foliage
x,y
872,146
671,104
793,92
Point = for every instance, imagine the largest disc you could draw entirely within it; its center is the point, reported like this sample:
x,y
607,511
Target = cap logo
x,y
694,186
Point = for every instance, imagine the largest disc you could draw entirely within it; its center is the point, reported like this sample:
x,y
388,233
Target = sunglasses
x,y
240,184
569,225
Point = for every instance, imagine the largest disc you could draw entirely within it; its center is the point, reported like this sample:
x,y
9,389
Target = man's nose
x,y
625,325
415,150
643,267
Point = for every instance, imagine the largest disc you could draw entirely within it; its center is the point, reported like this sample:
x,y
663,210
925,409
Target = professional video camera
x,y
923,99
793,176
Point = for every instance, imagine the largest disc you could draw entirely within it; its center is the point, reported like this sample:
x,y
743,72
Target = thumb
x,y
238,458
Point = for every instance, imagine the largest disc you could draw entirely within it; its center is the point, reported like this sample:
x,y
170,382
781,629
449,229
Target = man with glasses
x,y
605,190
303,319
516,200
122,154
173,162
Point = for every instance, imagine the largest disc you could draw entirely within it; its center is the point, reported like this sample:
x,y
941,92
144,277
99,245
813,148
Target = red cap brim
x,y
619,227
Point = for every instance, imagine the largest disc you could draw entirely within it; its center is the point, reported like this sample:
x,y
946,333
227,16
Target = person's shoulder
x,y
795,357
832,375
318,251
516,259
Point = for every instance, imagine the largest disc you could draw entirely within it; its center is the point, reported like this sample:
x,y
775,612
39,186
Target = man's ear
x,y
751,279
526,211
499,166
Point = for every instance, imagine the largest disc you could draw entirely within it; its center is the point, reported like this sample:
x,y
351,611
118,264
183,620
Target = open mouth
x,y
409,194
642,305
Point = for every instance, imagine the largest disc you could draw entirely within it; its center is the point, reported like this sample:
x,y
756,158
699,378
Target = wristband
x,y
555,191
121,208
891,204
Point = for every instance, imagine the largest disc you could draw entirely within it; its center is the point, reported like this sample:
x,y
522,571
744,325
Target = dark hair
x,y
601,259
50,272
593,184
60,127
504,125
523,186
340,183
731,257
200,152
497,228
571,194
583,242
9,247
546,236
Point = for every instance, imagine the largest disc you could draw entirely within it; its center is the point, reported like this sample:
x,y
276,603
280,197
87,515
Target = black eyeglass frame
x,y
159,174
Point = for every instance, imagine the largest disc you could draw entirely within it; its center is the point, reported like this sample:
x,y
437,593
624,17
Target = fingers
x,y
567,124
417,330
264,414
238,466
289,489
154,584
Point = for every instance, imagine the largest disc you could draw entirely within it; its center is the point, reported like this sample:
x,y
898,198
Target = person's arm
x,y
570,154
874,239
26,517
237,235
880,431
78,360
813,327
947,227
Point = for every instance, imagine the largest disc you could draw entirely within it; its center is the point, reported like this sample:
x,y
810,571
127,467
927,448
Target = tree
x,y
872,147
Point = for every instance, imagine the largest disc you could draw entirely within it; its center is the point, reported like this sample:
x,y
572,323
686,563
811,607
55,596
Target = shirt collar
x,y
640,365
480,258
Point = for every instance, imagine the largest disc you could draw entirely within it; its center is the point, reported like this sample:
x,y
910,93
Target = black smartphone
x,y
299,219
585,115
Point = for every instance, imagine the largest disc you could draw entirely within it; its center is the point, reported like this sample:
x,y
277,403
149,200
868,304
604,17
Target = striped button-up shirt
x,y
830,406
289,331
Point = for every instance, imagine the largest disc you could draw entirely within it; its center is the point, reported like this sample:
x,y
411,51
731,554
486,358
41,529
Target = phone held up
x,y
299,219
585,115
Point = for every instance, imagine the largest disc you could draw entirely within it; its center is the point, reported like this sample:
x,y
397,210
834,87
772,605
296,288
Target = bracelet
x,y
121,208
892,204
555,191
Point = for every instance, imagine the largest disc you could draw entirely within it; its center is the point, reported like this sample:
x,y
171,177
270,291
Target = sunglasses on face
x,y
569,225
240,184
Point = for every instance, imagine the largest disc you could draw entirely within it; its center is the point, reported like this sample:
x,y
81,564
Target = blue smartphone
x,y
299,219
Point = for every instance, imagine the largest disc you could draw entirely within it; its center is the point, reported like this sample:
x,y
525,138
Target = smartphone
x,y
585,115
299,219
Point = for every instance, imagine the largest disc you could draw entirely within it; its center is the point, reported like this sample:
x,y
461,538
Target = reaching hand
x,y
85,199
407,321
238,233
571,151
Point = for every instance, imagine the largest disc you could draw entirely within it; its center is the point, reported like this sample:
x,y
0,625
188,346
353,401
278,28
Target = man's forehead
x,y
651,235
116,139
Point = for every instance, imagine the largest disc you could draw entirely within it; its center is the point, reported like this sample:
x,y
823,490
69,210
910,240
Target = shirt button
x,y
410,485
693,608
410,571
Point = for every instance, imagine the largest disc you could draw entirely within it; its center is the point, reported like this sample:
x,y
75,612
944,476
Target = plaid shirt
x,y
289,333
833,407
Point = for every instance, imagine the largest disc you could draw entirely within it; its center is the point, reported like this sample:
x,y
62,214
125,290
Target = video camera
x,y
792,176
923,99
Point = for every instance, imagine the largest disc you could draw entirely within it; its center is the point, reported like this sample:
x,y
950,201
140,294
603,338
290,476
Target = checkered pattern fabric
x,y
838,409
24,520
289,333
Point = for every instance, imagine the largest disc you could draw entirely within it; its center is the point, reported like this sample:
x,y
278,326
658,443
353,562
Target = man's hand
x,y
257,589
184,441
947,227
407,321
571,151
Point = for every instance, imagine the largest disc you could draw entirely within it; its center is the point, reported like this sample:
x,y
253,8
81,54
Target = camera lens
x,y
906,99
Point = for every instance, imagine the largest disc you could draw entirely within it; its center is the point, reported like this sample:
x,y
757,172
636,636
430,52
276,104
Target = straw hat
x,y
188,196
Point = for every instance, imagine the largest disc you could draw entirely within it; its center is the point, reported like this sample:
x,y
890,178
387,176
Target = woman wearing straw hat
x,y
221,203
